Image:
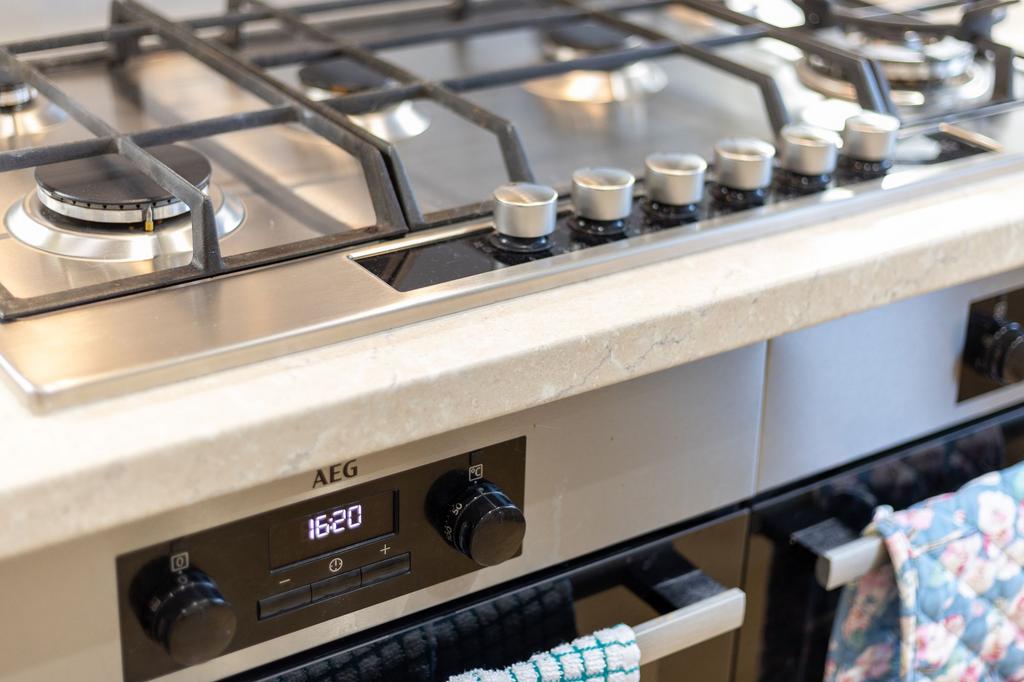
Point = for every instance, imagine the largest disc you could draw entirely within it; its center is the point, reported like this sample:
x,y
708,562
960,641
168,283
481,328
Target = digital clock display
x,y
322,532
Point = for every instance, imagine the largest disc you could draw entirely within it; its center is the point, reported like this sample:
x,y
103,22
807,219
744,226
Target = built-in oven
x,y
886,407
678,588
806,542
456,526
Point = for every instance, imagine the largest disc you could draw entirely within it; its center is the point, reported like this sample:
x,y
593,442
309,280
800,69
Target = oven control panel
x,y
193,598
994,348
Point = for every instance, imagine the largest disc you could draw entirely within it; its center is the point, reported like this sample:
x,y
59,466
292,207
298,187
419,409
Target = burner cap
x,y
8,80
343,76
588,36
13,91
109,188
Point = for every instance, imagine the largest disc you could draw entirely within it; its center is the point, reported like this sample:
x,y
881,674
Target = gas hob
x,y
185,196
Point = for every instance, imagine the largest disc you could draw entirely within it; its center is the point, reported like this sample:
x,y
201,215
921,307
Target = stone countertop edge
x,y
125,459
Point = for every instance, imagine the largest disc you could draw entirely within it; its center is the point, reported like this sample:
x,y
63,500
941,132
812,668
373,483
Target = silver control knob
x,y
675,179
807,150
870,136
603,194
525,211
744,163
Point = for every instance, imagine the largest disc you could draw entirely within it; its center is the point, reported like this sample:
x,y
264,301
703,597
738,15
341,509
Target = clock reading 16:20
x,y
335,522
338,524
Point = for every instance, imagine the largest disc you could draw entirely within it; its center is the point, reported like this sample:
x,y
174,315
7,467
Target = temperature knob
x,y
603,194
808,150
743,169
477,518
744,163
524,210
675,179
188,615
869,142
808,157
995,348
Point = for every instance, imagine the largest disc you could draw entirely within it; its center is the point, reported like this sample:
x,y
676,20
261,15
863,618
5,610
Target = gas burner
x,y
21,111
336,77
927,73
926,51
104,208
566,42
109,189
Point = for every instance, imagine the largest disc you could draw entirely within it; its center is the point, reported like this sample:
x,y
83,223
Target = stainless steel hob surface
x,y
348,144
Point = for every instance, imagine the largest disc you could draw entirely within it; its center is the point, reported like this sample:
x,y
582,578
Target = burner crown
x,y
341,76
110,189
587,37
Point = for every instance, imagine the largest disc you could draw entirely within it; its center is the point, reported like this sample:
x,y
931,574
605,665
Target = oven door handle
x,y
691,625
849,561
694,607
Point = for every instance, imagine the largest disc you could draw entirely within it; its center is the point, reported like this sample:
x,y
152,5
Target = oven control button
x,y
189,616
478,519
285,601
387,569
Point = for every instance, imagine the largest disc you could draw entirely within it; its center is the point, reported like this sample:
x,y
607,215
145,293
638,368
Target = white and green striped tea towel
x,y
606,656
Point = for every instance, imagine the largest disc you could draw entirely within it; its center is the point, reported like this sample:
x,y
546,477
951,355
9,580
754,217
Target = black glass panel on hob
x,y
476,253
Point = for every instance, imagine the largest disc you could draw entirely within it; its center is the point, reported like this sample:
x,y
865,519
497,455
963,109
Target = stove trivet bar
x,y
516,164
207,260
206,256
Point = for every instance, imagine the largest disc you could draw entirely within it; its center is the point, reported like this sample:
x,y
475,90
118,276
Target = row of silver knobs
x,y
529,211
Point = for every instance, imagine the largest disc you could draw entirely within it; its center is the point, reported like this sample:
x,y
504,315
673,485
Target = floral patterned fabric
x,y
950,606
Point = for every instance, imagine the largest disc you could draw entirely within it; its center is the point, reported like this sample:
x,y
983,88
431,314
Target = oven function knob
x,y
744,163
189,616
995,348
869,142
525,215
603,194
674,179
481,521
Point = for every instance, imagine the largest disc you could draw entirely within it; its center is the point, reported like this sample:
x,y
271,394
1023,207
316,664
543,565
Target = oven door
x,y
677,588
805,543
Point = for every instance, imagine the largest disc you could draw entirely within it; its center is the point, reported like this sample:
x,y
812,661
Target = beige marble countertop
x,y
128,458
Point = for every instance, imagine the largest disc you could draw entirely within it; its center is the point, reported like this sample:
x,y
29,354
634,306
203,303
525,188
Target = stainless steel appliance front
x,y
868,382
600,468
291,186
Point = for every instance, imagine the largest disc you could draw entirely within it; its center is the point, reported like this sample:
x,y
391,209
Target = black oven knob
x,y
188,615
995,348
478,519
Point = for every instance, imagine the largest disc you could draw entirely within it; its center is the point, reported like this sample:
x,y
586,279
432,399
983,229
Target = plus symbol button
x,y
384,549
